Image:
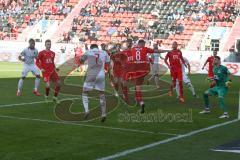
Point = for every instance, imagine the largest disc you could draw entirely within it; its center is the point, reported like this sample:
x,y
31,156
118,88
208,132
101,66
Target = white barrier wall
x,y
9,52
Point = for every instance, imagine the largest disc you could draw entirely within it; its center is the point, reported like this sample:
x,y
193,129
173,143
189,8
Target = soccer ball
x,y
22,58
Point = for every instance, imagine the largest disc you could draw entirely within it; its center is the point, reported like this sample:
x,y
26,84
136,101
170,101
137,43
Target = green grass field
x,y
30,129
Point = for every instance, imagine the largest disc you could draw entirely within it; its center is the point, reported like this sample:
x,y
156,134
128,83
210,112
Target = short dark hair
x,y
217,57
93,46
141,41
48,40
31,40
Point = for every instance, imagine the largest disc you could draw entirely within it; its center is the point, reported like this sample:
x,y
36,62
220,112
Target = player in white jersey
x,y
95,76
28,56
186,79
155,66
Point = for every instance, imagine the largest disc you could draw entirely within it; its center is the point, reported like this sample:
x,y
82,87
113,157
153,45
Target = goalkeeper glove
x,y
228,83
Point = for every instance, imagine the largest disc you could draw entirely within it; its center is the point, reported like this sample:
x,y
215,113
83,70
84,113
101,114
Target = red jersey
x,y
140,54
175,59
45,60
210,62
117,63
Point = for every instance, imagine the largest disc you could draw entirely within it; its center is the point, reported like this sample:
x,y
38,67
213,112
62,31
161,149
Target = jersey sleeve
x,y
181,58
150,51
23,52
84,57
38,60
36,54
107,58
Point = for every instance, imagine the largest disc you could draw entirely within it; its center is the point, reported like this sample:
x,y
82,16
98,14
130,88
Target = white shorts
x,y
30,68
186,79
97,83
155,68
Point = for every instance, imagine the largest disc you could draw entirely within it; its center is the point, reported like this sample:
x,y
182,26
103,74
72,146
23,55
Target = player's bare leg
x,y
37,82
102,105
20,85
139,99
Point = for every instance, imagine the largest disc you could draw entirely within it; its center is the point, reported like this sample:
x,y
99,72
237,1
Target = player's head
x,y
141,43
118,47
94,46
31,43
125,45
155,45
217,60
129,42
104,46
215,52
48,44
174,45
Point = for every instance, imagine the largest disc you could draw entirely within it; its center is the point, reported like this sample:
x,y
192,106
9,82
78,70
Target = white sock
x,y
85,102
156,79
190,86
152,76
103,105
37,82
177,88
20,84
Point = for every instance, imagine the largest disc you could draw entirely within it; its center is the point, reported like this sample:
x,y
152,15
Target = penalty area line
x,y
151,145
88,125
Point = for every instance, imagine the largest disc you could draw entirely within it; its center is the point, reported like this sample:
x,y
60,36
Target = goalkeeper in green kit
x,y
222,81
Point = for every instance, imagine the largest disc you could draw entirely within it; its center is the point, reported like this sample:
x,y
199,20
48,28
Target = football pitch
x,y
32,129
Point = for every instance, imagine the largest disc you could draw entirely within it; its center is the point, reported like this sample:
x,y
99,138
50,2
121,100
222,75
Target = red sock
x,y
138,95
181,89
47,91
56,91
116,86
125,92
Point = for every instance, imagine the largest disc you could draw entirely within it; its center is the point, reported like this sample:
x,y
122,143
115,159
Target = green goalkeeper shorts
x,y
217,91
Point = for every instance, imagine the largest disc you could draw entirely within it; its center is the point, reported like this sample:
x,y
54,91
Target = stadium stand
x,y
115,20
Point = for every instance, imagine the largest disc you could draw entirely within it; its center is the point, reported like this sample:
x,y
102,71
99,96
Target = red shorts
x,y
117,73
210,75
176,75
47,77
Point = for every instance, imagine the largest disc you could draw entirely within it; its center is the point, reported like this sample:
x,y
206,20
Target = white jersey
x,y
156,57
95,76
183,66
29,55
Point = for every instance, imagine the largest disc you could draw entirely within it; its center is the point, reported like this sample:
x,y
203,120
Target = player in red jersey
x,y
45,62
210,62
139,67
78,53
176,60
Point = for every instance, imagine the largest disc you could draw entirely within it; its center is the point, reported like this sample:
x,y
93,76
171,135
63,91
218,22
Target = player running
x,y
45,61
186,79
222,81
210,62
95,77
27,56
176,60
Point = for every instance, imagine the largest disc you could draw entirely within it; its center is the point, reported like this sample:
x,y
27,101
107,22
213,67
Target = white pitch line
x,y
86,125
129,151
19,104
